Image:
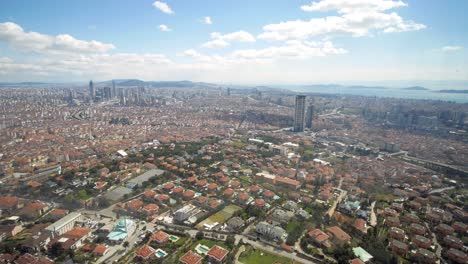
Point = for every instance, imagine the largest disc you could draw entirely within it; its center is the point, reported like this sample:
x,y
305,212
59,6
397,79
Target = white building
x,y
64,224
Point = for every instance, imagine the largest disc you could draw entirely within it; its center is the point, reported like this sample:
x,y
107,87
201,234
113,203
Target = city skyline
x,y
294,42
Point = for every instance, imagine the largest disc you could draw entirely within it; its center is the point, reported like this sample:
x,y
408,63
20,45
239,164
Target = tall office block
x,y
92,91
299,113
310,116
114,94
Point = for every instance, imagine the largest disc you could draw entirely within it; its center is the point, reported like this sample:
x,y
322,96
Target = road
x,y
256,244
331,211
441,190
110,257
373,216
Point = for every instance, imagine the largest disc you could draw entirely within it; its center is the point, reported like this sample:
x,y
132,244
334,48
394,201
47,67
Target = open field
x,y
221,216
255,256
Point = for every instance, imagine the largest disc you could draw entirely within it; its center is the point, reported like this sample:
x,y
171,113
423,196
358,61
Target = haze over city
x,y
241,42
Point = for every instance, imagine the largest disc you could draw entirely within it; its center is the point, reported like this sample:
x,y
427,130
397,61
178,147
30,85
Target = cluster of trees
x,y
121,120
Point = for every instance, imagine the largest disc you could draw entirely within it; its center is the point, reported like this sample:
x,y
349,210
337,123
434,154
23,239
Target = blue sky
x,y
247,42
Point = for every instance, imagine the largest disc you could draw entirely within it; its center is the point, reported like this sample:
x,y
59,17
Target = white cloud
x,y
191,53
5,60
356,18
216,43
350,6
164,28
292,49
163,7
451,48
220,41
356,24
40,43
207,20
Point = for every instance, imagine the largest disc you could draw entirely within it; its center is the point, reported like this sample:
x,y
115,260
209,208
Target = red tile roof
x,y
100,250
162,197
189,194
160,237
145,252
77,232
228,192
191,258
218,253
338,233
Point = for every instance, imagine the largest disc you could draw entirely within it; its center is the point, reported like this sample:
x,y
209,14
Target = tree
x,y
343,254
199,235
125,244
230,240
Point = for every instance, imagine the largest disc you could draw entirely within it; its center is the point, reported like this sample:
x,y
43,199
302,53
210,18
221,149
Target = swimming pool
x,y
173,238
160,253
202,249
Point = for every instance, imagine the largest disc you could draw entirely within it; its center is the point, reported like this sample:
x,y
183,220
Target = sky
x,y
237,42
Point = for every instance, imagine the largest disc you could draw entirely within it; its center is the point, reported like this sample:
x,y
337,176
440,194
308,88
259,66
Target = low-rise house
x,y
72,239
56,214
271,232
280,216
397,233
390,212
453,242
145,252
417,229
30,259
415,205
398,247
425,256
191,258
160,237
444,229
319,237
460,227
410,218
8,204
457,256
150,209
421,241
33,210
217,254
235,224
360,226
290,206
338,235
392,221
7,231
100,250
302,214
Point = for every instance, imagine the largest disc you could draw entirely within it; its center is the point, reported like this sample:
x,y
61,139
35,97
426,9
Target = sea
x,y
386,92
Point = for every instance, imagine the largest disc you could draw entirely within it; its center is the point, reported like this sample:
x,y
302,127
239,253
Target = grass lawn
x,y
292,225
221,216
209,243
254,256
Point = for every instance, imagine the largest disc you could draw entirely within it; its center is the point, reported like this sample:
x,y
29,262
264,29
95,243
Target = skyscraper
x,y
113,90
299,113
310,116
92,91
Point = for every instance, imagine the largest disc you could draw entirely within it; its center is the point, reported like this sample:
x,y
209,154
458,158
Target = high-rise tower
x,y
92,91
299,112
310,116
113,89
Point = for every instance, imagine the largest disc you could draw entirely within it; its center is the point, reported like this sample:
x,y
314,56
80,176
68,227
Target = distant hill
x,y
454,91
415,88
136,82
22,83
